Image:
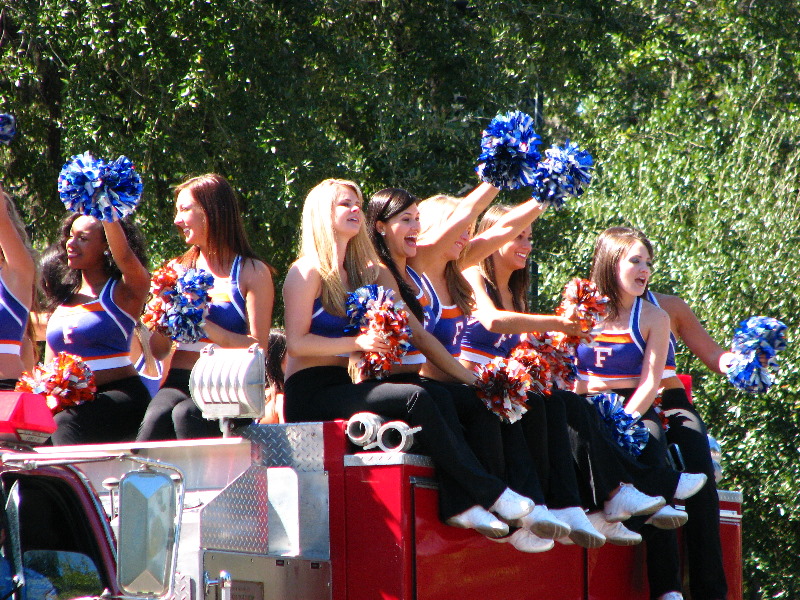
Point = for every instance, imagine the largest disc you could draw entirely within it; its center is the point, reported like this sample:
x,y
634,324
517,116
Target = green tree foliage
x,y
688,107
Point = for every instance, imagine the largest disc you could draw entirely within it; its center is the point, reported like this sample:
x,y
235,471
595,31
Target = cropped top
x,y
615,356
151,382
13,319
449,322
226,309
98,331
327,325
669,369
413,356
479,345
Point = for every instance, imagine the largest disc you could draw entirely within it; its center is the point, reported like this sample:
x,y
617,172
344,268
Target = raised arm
x,y
17,265
688,328
654,324
506,228
134,285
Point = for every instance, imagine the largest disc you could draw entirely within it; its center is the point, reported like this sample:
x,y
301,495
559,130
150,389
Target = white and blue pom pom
x,y
106,191
357,304
8,128
564,172
187,306
628,431
509,154
755,338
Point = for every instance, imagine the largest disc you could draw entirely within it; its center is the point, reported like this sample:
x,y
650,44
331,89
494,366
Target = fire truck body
x,y
291,511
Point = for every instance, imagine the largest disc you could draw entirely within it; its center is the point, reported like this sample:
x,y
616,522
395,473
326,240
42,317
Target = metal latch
x,y
223,582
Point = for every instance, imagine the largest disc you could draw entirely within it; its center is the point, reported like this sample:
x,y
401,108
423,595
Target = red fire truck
x,y
291,511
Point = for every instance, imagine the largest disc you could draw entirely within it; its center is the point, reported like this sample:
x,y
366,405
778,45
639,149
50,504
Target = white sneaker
x,y
511,505
543,523
629,501
583,532
481,520
668,517
689,484
525,541
671,596
615,533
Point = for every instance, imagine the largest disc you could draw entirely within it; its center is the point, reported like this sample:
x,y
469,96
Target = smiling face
x,y
514,254
400,233
86,243
190,218
634,270
347,217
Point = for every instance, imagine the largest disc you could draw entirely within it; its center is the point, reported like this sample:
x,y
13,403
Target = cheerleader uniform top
x,y
413,356
98,331
479,345
615,356
13,319
449,322
669,368
226,309
152,383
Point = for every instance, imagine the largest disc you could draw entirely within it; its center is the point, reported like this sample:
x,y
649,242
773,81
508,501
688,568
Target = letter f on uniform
x,y
601,354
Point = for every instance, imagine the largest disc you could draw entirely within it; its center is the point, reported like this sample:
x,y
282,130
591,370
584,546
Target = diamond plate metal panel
x,y
237,519
363,459
183,589
297,445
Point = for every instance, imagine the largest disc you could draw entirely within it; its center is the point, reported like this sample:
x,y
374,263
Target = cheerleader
x,y
240,313
95,288
634,356
17,282
336,257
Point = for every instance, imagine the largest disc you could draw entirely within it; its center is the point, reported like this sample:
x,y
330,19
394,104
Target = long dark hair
x,y
384,205
226,234
610,247
59,282
276,350
518,283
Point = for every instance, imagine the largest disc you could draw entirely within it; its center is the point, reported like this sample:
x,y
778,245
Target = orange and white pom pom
x,y
65,381
503,385
583,302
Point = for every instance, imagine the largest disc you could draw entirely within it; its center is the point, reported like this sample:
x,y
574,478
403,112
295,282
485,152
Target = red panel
x,y
463,565
616,572
335,444
731,535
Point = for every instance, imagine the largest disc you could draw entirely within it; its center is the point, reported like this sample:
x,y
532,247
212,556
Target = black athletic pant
x,y
327,393
113,416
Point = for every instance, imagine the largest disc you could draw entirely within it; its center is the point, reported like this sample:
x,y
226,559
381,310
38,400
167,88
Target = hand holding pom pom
x,y
503,386
630,433
179,300
8,128
756,343
372,309
91,187
584,303
509,154
65,381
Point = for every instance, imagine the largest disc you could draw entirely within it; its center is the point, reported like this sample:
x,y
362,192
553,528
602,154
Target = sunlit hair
x,y
434,213
609,250
59,282
384,205
317,242
518,283
226,237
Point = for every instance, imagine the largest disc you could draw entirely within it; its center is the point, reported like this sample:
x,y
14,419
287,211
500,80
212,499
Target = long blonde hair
x,y
317,241
434,213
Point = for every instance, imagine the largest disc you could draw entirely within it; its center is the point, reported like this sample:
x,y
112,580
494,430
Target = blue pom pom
x,y
357,305
755,339
8,128
630,433
91,187
185,311
564,172
509,152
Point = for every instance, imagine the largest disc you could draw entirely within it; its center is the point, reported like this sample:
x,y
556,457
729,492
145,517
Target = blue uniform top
x,y
412,355
327,325
479,345
226,309
98,331
13,319
449,322
669,369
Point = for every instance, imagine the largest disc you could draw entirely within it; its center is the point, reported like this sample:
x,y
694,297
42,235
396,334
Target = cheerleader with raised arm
x,y
336,257
240,313
17,283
